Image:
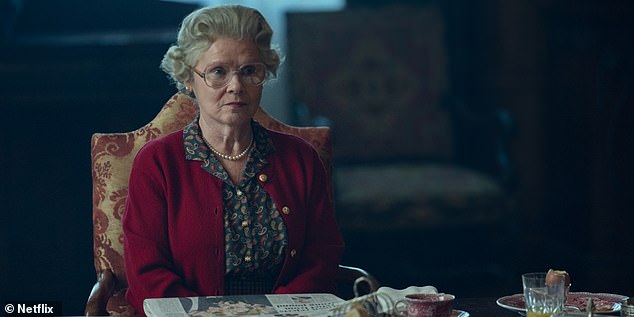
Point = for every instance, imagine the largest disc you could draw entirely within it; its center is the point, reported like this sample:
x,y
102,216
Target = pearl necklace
x,y
227,156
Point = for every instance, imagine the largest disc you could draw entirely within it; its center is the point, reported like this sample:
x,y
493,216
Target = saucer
x,y
459,313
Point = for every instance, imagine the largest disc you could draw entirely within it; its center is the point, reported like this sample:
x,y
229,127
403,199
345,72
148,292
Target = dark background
x,y
563,69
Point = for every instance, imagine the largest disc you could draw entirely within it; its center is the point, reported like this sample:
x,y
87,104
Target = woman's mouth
x,y
235,104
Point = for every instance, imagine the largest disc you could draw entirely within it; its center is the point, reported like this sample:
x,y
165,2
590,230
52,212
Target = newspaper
x,y
383,302
272,305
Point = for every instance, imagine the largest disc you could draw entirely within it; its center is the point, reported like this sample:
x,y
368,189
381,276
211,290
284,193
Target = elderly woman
x,y
225,206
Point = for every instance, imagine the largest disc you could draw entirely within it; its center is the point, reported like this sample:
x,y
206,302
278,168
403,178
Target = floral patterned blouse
x,y
255,233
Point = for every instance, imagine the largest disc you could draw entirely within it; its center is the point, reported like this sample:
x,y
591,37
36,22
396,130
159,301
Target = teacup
x,y
425,305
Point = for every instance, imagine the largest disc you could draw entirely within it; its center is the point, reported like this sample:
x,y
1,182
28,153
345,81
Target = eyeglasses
x,y
219,76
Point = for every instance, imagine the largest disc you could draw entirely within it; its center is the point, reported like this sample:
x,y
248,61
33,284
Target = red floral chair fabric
x,y
112,155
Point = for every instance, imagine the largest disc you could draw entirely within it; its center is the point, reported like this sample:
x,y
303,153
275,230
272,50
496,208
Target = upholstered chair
x,y
112,155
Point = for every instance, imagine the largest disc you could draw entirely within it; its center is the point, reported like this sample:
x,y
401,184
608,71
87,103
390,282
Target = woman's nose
x,y
235,84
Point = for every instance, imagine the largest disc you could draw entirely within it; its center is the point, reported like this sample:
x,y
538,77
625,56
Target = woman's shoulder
x,y
284,140
163,144
290,148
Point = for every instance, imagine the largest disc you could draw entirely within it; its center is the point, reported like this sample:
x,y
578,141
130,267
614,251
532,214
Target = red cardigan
x,y
174,231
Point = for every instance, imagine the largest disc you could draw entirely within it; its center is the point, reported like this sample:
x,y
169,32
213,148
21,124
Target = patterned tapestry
x,y
379,77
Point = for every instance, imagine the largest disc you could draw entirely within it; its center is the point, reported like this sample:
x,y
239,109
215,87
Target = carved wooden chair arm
x,y
101,292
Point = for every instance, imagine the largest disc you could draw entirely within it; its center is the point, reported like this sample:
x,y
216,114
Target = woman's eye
x,y
217,72
248,70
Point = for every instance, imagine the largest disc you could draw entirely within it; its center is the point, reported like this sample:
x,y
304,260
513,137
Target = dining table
x,y
482,307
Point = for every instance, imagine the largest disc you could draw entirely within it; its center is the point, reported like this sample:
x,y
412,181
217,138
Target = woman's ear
x,y
189,84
